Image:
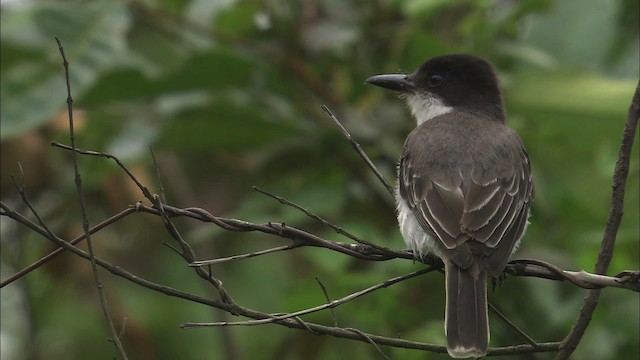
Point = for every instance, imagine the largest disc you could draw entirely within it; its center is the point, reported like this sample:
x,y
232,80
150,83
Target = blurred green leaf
x,y
229,123
574,94
239,19
93,38
586,40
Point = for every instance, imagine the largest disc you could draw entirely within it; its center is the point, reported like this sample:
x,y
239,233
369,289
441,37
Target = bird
x,y
464,187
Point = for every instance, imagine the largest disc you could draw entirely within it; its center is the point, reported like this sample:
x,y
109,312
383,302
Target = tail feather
x,y
466,321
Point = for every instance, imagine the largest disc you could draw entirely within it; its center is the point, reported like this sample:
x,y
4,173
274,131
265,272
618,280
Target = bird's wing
x,y
488,204
437,203
493,202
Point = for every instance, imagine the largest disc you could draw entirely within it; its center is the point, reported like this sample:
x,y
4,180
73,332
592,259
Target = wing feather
x,y
478,204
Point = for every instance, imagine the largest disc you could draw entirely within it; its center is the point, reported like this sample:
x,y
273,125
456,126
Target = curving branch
x,y
292,321
299,238
616,209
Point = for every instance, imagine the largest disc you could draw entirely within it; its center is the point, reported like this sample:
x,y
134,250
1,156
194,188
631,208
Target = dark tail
x,y
466,321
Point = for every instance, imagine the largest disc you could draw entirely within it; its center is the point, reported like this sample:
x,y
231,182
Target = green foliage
x,y
95,35
228,95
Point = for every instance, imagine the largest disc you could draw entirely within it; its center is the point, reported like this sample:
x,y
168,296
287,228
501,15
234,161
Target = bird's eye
x,y
435,80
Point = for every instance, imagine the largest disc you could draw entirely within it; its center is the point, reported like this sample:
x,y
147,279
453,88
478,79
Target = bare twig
x,y
245,256
513,326
566,275
188,254
336,228
571,341
358,149
83,210
294,323
145,191
328,305
116,270
60,250
583,279
326,296
520,267
284,201
283,230
370,341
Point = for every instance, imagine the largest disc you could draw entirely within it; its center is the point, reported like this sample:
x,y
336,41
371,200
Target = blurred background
x,y
228,95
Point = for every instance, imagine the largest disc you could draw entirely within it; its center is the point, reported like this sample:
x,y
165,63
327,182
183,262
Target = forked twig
x,y
60,250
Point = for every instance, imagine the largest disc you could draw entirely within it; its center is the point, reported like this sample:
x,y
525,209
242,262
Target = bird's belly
x,y
415,237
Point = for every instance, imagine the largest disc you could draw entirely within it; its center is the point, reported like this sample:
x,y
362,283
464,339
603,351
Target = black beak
x,y
397,82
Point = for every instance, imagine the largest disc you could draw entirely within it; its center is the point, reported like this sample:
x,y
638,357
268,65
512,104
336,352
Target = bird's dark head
x,y
445,83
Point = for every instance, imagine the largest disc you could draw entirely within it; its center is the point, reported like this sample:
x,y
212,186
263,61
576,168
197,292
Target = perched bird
x,y
464,186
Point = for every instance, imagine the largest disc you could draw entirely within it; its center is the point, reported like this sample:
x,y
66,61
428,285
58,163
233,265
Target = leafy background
x,y
228,95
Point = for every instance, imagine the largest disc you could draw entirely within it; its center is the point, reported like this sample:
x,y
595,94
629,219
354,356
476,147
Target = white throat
x,y
425,107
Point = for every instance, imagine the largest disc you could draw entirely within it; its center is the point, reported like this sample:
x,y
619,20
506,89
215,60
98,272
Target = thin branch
x,y
513,326
519,267
245,256
115,270
336,228
145,191
283,230
284,201
188,254
358,149
294,323
362,251
60,250
629,280
326,296
83,210
571,341
328,305
370,341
